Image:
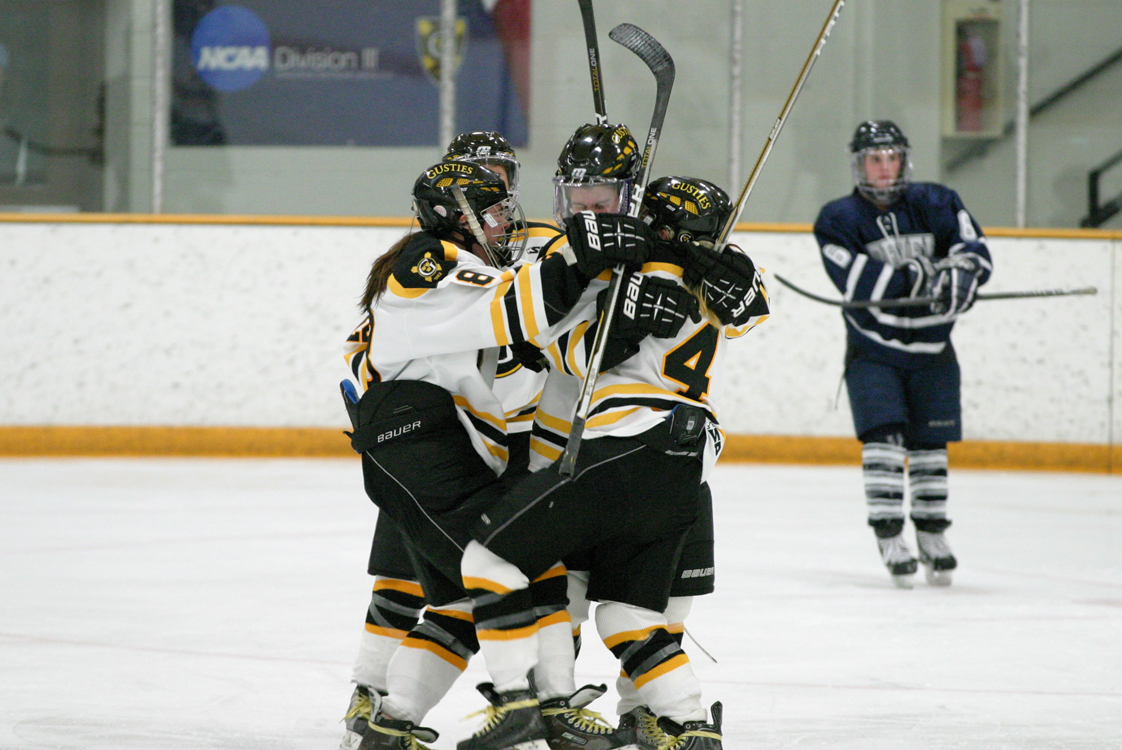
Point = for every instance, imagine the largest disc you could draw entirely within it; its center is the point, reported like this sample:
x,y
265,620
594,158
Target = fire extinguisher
x,y
968,95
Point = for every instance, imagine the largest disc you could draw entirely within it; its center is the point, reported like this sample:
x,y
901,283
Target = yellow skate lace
x,y
582,718
492,715
648,728
411,741
361,707
673,743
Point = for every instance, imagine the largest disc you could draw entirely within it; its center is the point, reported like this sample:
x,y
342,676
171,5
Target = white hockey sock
x,y
510,653
676,611
927,477
882,465
395,607
660,669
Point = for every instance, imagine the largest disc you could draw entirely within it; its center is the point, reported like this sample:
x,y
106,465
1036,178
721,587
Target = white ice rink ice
x,y
218,603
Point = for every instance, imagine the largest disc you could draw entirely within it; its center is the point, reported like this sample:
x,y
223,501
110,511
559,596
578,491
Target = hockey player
x,y
650,434
431,430
893,238
397,599
684,212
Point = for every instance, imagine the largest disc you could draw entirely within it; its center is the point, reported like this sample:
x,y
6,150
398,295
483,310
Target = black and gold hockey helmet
x,y
488,148
467,199
595,171
681,209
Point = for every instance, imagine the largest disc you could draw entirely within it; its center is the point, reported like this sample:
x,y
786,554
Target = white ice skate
x,y
898,559
935,554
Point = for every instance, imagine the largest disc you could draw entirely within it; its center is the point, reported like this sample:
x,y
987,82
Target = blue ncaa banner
x,y
343,72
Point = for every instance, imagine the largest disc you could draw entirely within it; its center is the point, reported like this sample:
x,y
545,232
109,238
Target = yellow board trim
x,y
408,221
49,441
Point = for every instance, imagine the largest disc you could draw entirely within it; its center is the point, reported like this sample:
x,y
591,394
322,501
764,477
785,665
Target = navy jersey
x,y
864,247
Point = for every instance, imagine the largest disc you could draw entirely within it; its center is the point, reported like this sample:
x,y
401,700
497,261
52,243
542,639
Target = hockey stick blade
x,y
645,46
887,304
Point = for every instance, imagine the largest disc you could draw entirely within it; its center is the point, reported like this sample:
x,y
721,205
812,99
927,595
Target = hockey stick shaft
x,y
662,66
593,47
887,304
726,230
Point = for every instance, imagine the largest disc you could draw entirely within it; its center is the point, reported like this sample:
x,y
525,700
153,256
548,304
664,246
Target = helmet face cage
x,y
880,136
597,194
684,209
488,148
441,194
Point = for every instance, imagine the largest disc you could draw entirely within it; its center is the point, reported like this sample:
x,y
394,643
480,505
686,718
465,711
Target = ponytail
x,y
381,271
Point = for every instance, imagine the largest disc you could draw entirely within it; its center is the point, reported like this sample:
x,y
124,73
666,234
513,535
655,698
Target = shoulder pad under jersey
x,y
424,261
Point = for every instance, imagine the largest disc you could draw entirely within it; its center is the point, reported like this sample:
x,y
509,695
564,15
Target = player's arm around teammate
x,y
431,430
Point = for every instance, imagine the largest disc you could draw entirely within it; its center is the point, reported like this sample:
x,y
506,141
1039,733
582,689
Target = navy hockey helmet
x,y
466,198
880,137
595,171
681,209
488,148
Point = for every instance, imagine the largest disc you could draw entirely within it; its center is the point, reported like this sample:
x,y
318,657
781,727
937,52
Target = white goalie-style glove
x,y
955,284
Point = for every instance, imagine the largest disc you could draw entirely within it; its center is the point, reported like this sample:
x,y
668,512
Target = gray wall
x,y
883,60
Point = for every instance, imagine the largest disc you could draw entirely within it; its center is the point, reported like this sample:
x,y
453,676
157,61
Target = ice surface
x,y
149,603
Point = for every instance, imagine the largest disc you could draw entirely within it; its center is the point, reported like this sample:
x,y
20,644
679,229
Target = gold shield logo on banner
x,y
429,44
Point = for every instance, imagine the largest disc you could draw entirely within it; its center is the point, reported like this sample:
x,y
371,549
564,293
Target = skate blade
x,y
903,581
938,577
531,745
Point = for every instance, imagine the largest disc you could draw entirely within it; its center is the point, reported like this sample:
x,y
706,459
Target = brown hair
x,y
380,272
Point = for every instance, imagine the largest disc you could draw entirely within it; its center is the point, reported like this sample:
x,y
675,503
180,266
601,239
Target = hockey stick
x,y
917,301
662,66
593,61
726,230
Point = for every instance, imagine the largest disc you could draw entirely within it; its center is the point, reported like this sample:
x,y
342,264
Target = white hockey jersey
x,y
443,318
638,393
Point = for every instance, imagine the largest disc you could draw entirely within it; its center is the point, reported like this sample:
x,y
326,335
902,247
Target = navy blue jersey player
x,y
892,238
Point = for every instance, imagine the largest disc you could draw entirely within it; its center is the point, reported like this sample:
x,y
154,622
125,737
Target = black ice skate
x,y
898,559
693,735
573,727
356,718
513,722
384,733
935,554
639,728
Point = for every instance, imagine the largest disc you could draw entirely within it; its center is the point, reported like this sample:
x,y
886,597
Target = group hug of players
x,y
467,369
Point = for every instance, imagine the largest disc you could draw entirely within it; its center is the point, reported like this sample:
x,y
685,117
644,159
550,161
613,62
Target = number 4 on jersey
x,y
689,363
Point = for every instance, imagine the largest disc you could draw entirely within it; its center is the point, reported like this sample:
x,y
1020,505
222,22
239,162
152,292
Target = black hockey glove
x,y
729,282
654,306
955,284
600,241
529,356
646,306
921,276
